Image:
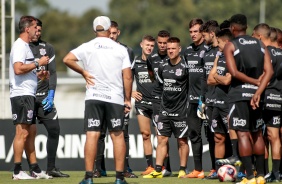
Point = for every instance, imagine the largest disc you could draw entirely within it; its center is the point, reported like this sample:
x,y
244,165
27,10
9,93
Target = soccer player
x,y
193,55
272,102
247,59
153,62
23,84
220,78
45,110
173,110
100,159
108,94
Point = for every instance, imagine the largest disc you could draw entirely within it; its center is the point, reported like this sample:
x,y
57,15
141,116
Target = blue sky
x,y
77,7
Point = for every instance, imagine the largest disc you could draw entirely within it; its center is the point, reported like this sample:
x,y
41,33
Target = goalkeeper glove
x,y
48,102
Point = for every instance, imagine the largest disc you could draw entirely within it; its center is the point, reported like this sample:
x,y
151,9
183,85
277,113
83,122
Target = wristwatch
x,y
36,64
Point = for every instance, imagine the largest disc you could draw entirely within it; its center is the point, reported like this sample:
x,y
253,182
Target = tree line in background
x,y
137,18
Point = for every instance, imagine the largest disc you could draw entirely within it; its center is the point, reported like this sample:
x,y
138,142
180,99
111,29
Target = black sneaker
x,y
270,177
57,173
233,160
97,173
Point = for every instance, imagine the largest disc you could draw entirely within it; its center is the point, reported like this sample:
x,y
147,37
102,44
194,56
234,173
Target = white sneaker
x,y
22,176
41,175
166,173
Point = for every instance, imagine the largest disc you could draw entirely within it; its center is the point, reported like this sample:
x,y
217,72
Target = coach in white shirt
x,y
108,92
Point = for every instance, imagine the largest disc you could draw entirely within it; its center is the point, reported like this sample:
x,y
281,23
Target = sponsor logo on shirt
x,y
243,41
116,122
239,122
273,105
196,70
274,97
249,86
101,46
102,96
191,97
144,77
247,95
93,123
275,53
168,85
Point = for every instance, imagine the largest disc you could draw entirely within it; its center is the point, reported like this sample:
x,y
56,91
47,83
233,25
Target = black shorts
x,y
98,113
23,109
176,125
42,115
219,120
146,111
272,118
243,118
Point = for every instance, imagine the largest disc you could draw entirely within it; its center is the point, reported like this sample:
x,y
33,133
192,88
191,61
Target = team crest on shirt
x,y
178,72
30,114
42,51
160,125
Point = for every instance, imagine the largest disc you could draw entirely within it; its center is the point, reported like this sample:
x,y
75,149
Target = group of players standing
x,y
225,80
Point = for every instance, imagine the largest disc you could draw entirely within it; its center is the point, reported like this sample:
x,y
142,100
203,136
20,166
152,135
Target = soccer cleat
x,y
87,181
148,170
22,176
260,180
128,174
166,173
57,173
181,173
154,174
246,181
241,175
119,181
98,174
233,160
195,174
41,175
212,175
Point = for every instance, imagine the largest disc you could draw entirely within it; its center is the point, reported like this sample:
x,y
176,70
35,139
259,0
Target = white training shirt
x,y
24,84
104,59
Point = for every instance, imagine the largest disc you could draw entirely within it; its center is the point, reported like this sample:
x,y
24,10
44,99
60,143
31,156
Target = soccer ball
x,y
227,173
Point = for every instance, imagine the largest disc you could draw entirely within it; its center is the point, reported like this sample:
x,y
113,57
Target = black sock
x,y
18,168
275,165
182,168
234,143
260,165
53,129
247,161
266,167
98,162
158,168
88,174
167,164
35,168
149,159
103,167
119,175
126,164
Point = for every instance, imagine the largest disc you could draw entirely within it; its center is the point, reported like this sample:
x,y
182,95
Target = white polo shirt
x,y
24,84
104,59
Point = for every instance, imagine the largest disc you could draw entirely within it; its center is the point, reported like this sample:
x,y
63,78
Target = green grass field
x,y
76,177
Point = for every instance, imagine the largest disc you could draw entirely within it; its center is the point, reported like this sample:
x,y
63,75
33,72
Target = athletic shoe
x,y
119,181
166,173
22,176
260,180
154,174
57,173
87,181
233,160
181,174
246,181
270,177
195,174
241,175
98,174
212,175
128,174
41,175
148,170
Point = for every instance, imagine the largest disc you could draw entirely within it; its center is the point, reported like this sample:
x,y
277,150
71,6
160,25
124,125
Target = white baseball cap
x,y
102,21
